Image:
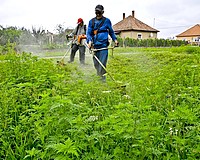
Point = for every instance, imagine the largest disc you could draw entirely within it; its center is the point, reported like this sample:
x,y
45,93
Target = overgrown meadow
x,y
50,111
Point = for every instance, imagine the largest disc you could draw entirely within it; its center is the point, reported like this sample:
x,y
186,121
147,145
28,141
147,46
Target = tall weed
x,y
53,112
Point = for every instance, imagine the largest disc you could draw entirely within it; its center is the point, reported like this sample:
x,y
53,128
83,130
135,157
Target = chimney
x,y
123,15
133,14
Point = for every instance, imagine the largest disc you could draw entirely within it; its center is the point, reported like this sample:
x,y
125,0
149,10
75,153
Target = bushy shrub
x,y
130,42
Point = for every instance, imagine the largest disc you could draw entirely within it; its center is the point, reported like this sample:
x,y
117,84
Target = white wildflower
x,y
106,91
92,118
126,96
176,131
170,131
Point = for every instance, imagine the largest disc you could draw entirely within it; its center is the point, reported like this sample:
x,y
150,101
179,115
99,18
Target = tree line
x,y
31,36
39,36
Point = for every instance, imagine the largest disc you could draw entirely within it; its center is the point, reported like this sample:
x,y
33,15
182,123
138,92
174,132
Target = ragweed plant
x,y
49,111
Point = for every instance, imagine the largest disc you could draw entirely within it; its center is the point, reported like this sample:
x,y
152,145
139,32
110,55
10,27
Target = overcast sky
x,y
170,17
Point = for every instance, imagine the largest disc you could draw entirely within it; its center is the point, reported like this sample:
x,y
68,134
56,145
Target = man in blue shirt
x,y
98,30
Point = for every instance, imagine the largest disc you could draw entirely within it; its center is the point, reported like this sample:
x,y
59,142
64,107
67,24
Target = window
x,y
139,36
151,35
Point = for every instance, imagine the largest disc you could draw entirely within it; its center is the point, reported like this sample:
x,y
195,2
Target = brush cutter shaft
x,y
92,52
66,53
103,67
68,44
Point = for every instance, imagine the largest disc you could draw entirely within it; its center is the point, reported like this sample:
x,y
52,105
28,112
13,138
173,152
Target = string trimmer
x,y
92,51
61,62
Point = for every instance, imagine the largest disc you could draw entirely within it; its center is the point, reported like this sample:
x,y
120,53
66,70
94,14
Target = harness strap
x,y
100,25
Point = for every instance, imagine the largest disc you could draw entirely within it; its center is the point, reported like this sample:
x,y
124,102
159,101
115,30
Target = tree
x,y
9,34
39,34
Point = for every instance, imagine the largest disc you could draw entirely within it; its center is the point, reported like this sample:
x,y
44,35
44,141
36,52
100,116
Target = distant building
x,y
191,35
134,28
50,37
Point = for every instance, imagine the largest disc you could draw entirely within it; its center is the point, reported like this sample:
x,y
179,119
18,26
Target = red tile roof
x,y
193,31
131,23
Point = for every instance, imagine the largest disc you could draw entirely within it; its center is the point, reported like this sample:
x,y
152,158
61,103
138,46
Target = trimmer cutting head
x,y
61,63
120,86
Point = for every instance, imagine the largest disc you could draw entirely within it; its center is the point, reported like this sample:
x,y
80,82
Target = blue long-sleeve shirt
x,y
100,40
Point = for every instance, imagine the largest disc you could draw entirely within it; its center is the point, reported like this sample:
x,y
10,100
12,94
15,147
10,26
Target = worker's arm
x,y
72,33
89,34
111,32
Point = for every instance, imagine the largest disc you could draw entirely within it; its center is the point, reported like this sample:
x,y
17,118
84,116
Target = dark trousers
x,y
81,49
102,55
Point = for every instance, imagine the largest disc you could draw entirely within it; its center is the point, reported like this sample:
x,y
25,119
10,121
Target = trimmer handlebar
x,y
99,49
93,49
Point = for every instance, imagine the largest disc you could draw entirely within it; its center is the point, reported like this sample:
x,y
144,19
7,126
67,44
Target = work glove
x,y
116,43
90,45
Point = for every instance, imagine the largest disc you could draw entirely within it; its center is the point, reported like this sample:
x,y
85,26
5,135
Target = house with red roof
x,y
191,35
133,28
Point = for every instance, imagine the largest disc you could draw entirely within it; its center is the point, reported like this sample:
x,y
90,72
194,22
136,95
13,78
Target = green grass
x,y
64,112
